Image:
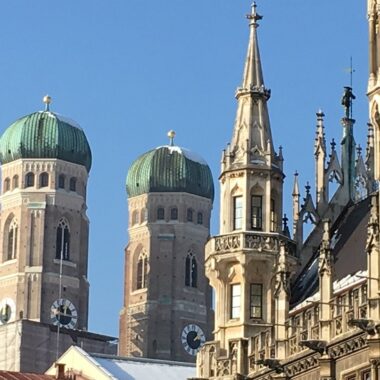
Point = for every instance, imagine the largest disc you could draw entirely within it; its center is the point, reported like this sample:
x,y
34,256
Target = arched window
x,y
12,240
73,184
191,272
273,216
160,213
200,218
62,244
44,179
256,212
15,182
174,213
7,185
189,215
61,181
142,271
29,180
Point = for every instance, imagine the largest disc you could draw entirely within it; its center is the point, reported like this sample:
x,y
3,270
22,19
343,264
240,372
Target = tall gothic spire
x,y
253,73
252,138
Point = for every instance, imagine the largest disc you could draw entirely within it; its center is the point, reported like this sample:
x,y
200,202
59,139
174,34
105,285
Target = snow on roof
x,y
186,152
338,286
62,118
143,369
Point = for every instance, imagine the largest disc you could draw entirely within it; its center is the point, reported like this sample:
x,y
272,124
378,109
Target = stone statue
x,y
347,99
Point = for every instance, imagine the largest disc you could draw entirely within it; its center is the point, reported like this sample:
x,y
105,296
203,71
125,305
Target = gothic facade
x,y
290,305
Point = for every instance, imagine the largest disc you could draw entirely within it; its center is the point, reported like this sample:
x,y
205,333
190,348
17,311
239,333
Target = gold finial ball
x,y
171,134
47,99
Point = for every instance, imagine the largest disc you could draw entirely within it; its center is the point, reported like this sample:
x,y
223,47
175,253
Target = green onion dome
x,y
170,169
45,134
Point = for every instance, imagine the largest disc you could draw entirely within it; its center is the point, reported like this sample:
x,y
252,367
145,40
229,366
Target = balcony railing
x,y
254,241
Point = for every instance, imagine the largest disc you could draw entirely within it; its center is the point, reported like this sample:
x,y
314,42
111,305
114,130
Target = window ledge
x,y
138,291
66,263
8,262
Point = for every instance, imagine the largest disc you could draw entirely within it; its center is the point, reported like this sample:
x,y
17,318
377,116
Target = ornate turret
x,y
250,227
252,137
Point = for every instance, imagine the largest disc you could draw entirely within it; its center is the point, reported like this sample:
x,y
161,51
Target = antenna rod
x,y
59,300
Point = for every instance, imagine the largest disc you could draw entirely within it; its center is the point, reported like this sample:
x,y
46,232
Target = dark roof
x,y
7,375
348,240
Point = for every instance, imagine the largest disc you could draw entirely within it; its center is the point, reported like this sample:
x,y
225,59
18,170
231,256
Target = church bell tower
x,y
167,298
44,227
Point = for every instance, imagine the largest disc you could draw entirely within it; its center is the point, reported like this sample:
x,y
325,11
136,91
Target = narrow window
x,y
256,301
235,301
63,241
191,270
160,213
29,180
12,240
200,218
135,217
189,215
7,184
15,181
44,180
144,215
256,212
273,216
61,181
142,268
73,184
174,213
238,213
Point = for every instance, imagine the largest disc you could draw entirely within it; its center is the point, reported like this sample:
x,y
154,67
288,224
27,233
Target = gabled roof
x,y
109,367
348,239
7,375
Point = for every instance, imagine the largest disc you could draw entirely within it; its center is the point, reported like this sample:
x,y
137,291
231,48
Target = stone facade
x,y
305,307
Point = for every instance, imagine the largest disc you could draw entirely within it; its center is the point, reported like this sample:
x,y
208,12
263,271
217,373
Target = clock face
x,y
63,313
192,338
7,311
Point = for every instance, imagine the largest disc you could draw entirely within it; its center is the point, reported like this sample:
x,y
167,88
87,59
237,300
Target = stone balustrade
x,y
249,241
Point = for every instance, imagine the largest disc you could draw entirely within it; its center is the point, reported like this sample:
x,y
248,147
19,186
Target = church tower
x,y
44,227
167,301
44,288
248,263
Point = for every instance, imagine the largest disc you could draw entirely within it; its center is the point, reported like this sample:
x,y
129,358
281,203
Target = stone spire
x,y
296,204
320,162
252,137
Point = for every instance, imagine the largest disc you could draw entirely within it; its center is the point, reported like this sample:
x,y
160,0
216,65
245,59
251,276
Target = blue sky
x,y
130,70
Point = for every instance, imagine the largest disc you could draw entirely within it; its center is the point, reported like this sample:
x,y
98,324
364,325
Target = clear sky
x,y
130,70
